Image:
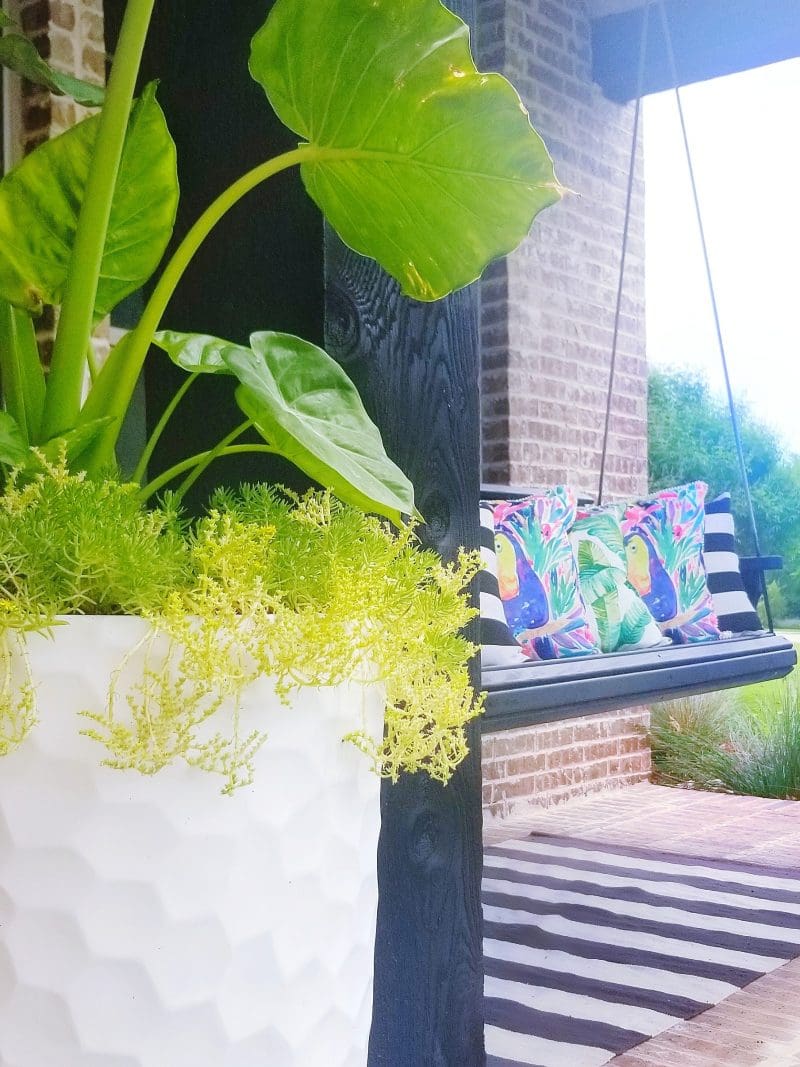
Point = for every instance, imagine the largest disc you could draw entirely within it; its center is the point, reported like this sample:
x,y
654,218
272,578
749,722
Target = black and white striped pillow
x,y
731,603
499,647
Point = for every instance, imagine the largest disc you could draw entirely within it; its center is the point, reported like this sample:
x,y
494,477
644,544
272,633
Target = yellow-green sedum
x,y
308,591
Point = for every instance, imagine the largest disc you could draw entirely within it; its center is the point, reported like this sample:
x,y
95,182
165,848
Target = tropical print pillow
x,y
664,549
620,617
499,647
538,576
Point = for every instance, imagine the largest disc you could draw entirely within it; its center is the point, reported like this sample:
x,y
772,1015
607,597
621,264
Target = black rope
x,y
737,436
620,285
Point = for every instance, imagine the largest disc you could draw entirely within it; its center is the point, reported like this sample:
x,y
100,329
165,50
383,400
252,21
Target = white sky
x,y
744,135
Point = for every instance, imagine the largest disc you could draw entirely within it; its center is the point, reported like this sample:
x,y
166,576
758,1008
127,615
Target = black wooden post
x,y
416,366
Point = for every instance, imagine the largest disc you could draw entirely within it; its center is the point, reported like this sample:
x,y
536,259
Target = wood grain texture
x,y
416,367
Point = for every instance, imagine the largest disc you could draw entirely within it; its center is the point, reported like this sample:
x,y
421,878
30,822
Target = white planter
x,y
151,922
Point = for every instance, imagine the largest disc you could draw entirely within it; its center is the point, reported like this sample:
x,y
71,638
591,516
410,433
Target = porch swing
x,y
546,691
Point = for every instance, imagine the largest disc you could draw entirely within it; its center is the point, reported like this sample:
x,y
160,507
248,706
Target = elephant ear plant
x,y
414,157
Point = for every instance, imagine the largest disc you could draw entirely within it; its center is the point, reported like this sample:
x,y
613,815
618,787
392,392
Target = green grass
x,y
739,741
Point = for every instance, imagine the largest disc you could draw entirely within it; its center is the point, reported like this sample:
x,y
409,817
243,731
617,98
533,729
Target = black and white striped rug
x,y
590,949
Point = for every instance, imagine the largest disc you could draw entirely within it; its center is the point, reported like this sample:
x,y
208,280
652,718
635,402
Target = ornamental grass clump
x,y
746,742
305,590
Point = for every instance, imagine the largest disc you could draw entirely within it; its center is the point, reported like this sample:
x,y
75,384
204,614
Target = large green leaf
x,y
195,352
306,407
40,200
634,623
72,444
596,582
21,371
607,612
14,449
15,452
419,160
19,54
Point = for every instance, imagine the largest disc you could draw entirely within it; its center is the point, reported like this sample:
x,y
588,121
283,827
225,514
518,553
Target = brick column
x,y
548,310
547,315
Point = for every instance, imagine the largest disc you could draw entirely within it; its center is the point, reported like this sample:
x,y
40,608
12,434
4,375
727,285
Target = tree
x,y
690,437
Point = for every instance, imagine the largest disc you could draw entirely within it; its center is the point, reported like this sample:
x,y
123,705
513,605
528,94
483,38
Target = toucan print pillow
x,y
664,550
538,576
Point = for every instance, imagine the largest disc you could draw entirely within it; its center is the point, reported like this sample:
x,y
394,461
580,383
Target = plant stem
x,y
217,450
149,448
91,363
231,450
114,388
63,403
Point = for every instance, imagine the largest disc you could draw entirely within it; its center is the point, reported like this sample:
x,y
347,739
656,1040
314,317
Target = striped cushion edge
x,y
499,647
732,605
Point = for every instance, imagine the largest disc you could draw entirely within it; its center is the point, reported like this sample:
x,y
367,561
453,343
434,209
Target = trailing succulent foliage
x,y
415,157
304,590
17,693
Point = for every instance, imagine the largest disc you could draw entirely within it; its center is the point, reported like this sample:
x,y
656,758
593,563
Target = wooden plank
x,y
548,697
710,38
416,366
633,661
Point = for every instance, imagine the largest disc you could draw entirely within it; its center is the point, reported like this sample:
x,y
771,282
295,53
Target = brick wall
x,y
548,764
548,310
77,47
31,112
69,33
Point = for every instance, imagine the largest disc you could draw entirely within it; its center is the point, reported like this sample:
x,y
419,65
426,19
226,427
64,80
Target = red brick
x,y
35,16
493,770
62,51
94,62
526,765
601,749
633,744
590,729
62,14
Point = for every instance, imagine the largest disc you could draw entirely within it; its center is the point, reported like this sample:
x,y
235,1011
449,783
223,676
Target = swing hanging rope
x,y
709,279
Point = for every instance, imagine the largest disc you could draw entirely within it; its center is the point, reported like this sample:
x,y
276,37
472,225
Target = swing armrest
x,y
752,568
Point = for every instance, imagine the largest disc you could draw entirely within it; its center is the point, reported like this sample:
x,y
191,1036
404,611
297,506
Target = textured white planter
x,y
151,922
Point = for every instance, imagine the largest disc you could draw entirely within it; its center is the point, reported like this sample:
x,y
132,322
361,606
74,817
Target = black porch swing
x,y
535,692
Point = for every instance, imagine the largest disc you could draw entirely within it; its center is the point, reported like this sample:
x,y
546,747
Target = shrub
x,y
688,739
766,737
